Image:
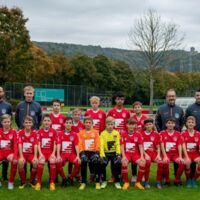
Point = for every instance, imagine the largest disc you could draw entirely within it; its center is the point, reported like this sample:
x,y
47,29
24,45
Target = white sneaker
x,y
104,184
118,186
10,186
133,179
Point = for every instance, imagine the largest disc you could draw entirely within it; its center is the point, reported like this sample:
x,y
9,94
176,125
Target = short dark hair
x,y
119,94
171,119
149,120
68,119
137,103
131,121
46,115
56,101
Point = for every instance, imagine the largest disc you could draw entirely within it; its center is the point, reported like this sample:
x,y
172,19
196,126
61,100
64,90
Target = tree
x,y
14,43
154,38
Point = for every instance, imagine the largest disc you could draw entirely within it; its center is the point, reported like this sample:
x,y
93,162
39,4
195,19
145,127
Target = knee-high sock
x,y
52,172
141,172
159,171
125,174
147,170
22,175
179,171
75,170
60,170
13,170
40,172
187,172
166,171
197,173
33,174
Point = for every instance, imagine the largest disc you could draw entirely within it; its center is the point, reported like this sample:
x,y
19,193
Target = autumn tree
x,y
14,43
154,38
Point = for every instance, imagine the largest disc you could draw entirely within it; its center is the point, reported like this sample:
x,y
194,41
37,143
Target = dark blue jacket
x,y
5,108
32,109
166,111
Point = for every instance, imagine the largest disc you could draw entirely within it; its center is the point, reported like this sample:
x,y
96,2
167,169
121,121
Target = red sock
x,y
22,175
147,170
52,172
141,172
187,173
60,170
179,172
75,170
159,171
166,171
40,172
33,174
125,174
197,173
13,170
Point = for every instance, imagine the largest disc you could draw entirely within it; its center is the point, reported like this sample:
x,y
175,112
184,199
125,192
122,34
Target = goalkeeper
x,y
110,151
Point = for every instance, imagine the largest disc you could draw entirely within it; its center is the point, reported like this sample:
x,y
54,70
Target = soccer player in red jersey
x,y
8,147
67,150
191,144
152,152
98,115
132,151
27,145
57,118
171,147
119,113
47,137
77,123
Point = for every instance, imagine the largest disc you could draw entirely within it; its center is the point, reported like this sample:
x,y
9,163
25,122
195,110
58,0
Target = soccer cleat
x,y
166,184
118,186
22,186
139,186
38,187
133,179
98,186
52,187
126,186
194,184
146,185
82,187
10,186
32,185
189,183
158,185
103,184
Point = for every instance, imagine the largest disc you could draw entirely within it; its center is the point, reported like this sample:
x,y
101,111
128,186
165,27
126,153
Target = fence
x,y
74,95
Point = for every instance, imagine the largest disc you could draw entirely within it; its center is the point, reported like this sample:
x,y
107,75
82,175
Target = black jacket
x,y
5,108
166,111
194,110
32,109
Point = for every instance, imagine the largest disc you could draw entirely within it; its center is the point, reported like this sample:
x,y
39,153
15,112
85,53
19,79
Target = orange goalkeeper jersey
x,y
89,140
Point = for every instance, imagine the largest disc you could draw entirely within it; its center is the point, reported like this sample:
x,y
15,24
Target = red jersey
x,y
77,127
171,142
150,141
8,141
98,117
47,139
139,122
27,142
68,141
131,142
121,117
58,122
191,142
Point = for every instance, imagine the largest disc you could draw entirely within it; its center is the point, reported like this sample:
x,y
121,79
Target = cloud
x,y
102,22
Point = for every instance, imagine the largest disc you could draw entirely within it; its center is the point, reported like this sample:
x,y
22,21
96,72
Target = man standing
x,y
169,110
5,108
28,107
194,110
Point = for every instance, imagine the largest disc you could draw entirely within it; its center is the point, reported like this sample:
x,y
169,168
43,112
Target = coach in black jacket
x,y
194,110
170,109
28,107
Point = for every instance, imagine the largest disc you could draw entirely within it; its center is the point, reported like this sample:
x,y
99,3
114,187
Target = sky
x,y
104,22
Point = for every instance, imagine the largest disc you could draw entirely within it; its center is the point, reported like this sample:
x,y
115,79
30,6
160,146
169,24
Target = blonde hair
x,y
29,87
109,119
95,98
28,118
76,110
5,116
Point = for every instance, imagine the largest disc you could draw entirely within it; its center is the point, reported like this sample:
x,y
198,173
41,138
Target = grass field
x,y
72,192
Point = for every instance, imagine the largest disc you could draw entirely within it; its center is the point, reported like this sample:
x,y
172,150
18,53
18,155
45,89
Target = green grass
x,y
72,192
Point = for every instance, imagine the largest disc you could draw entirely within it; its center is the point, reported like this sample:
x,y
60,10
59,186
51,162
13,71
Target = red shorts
x,y
46,156
69,157
28,157
152,155
4,155
132,157
172,157
194,155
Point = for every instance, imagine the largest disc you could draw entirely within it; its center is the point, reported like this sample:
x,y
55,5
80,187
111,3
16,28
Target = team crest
x,y
92,135
135,139
124,115
100,116
10,137
175,139
176,115
71,138
3,111
31,139
50,134
61,121
32,113
152,138
196,139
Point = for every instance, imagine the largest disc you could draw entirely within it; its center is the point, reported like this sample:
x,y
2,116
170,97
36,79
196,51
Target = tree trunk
x,y
151,87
